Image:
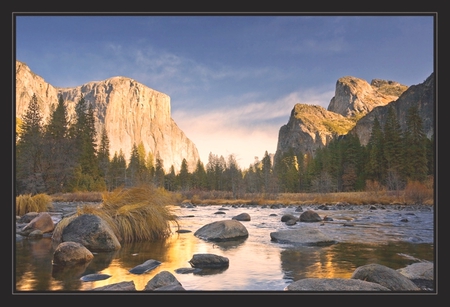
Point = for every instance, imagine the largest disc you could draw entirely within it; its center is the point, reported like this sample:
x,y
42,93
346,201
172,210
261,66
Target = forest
x,y
66,155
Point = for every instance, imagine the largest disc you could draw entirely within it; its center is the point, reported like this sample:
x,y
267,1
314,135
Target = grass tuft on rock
x,y
135,214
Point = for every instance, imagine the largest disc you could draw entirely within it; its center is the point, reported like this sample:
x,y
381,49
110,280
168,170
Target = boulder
x,y
145,267
334,284
288,217
121,286
418,270
208,261
70,253
303,236
91,231
242,217
225,230
43,222
165,281
384,276
310,216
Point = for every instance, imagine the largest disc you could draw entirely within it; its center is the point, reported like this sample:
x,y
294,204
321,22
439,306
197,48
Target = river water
x,y
394,236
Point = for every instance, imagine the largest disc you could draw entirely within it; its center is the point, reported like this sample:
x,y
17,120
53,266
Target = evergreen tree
x,y
87,173
393,147
29,151
150,167
133,167
103,156
415,146
57,148
117,171
170,179
267,171
199,178
159,172
233,176
184,180
376,165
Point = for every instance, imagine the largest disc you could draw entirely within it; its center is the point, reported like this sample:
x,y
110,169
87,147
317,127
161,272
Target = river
x,y
394,236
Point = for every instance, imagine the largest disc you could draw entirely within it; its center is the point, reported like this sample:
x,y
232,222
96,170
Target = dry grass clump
x,y
37,203
134,214
139,213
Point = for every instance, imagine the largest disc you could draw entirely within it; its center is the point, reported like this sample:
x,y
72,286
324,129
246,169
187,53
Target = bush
x,y
417,192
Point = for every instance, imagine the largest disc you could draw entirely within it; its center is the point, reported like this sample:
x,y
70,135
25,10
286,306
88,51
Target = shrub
x,y
417,192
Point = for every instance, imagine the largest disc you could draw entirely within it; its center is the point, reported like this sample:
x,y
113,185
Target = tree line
x,y
65,155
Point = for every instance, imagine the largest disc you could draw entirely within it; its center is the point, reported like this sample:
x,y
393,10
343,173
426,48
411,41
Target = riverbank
x,y
203,198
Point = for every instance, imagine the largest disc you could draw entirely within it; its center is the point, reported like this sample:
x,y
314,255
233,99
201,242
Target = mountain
x,y
421,95
130,111
352,110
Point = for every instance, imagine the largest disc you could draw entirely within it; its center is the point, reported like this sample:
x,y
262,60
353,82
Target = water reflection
x,y
255,263
340,260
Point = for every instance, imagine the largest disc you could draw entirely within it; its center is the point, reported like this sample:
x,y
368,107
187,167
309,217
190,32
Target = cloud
x,y
245,130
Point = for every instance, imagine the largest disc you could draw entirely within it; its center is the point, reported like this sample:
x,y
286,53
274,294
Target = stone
x,y
242,217
310,216
302,236
43,222
163,281
145,267
121,286
70,253
334,284
224,230
384,276
91,231
208,261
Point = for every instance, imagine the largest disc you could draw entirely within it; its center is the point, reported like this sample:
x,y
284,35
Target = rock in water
x,y
145,267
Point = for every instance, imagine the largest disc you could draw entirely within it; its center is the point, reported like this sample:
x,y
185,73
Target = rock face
x,y
352,110
309,128
130,112
421,95
354,95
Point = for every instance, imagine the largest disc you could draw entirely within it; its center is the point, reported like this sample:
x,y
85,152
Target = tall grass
x,y
135,214
37,203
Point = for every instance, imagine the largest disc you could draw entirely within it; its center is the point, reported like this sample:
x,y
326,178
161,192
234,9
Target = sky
x,y
232,79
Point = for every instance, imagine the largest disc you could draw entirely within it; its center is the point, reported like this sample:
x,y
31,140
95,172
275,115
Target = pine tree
x,y
184,177
159,171
117,171
393,147
170,179
133,167
29,151
87,173
267,171
57,148
376,165
199,177
416,146
103,156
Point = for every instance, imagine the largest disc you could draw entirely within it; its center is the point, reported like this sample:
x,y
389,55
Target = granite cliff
x,y
352,110
130,111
